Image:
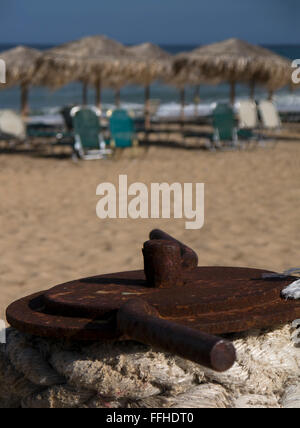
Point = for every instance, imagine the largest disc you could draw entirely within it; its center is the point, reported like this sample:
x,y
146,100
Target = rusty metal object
x,y
162,261
142,322
30,315
213,300
189,257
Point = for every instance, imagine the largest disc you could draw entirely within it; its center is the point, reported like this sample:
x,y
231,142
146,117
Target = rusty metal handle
x,y
141,322
188,256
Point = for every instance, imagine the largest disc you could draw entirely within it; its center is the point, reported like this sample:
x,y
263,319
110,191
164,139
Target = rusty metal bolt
x,y
141,322
189,258
162,264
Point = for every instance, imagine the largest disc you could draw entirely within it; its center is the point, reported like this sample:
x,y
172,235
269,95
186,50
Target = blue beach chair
x,y
122,130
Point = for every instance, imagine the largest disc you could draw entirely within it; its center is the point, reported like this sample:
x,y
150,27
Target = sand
x,y
50,232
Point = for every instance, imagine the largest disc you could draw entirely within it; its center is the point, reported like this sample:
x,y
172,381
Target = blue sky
x,y
158,21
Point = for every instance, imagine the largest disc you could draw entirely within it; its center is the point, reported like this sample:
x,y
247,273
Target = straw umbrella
x,y
188,76
91,60
20,70
149,63
235,61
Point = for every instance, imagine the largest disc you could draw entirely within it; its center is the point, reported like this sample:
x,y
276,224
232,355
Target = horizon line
x,y
157,43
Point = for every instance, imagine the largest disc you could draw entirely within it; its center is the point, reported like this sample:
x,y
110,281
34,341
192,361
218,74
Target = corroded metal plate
x,y
214,300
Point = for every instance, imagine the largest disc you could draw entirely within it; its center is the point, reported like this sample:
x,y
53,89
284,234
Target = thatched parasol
x,y
192,77
236,61
20,70
91,60
149,63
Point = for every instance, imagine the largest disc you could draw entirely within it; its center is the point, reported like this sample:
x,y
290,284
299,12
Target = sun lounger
x,y
12,128
248,122
89,142
225,129
14,131
42,129
248,117
269,116
45,135
226,133
122,130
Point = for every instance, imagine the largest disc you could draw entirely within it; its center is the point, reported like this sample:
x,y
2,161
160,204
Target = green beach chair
x,y
89,142
225,129
122,130
226,132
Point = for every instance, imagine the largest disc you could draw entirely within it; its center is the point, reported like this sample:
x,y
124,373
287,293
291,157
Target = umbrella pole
x,y
252,90
232,93
147,107
118,98
271,94
98,94
182,103
197,99
84,93
24,100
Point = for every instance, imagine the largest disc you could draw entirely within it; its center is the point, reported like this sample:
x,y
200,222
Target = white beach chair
x,y
270,118
248,119
12,128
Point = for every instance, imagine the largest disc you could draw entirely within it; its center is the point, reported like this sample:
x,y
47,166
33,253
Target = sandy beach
x,y
50,232
196,132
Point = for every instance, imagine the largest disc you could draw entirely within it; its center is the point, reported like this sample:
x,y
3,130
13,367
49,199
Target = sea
x,y
44,102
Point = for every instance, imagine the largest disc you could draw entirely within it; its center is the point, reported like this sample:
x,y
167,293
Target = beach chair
x,y
12,127
248,122
53,135
225,130
270,118
226,133
41,131
89,142
247,113
49,137
122,130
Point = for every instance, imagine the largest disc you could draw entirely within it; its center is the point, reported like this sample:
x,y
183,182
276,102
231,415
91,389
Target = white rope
x,y
42,373
292,291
